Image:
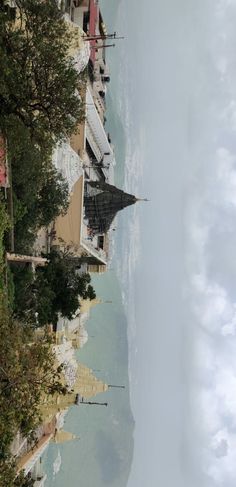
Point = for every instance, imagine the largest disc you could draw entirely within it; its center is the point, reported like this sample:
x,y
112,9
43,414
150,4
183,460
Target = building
x,y
30,462
100,159
87,161
92,208
87,15
85,385
74,330
68,228
102,201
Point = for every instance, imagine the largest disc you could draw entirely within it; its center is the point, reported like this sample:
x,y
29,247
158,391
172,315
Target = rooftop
x,y
68,227
93,22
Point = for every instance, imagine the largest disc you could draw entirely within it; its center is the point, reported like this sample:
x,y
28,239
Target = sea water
x,y
102,454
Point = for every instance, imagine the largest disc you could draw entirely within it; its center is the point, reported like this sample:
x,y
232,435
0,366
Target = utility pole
x,y
102,37
103,46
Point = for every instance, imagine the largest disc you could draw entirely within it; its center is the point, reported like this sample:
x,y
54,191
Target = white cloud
x,y
220,447
213,208
210,197
215,311
228,115
225,389
222,467
226,176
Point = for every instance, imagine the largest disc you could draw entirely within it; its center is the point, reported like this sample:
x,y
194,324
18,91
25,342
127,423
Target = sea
x,y
168,334
102,454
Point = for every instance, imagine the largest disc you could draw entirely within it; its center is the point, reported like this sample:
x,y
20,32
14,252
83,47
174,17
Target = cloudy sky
x,y
178,75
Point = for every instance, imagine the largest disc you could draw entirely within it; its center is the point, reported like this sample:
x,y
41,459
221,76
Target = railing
x,y
96,127
98,254
93,142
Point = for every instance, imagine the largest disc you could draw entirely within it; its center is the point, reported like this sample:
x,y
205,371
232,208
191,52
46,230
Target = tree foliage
x,y
38,81
53,197
27,372
8,475
55,289
40,193
68,286
39,104
22,481
4,225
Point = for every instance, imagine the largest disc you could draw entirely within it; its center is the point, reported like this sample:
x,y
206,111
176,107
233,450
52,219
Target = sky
x,y
176,71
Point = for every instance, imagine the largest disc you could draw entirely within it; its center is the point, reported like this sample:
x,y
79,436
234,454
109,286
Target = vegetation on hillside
x,y
40,193
40,104
27,371
4,226
38,82
54,289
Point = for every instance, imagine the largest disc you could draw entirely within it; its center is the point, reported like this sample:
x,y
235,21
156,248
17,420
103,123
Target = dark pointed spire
x,y
102,202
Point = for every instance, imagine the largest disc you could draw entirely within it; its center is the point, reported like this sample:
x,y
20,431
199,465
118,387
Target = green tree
x,y
61,277
53,197
21,481
38,81
55,289
4,226
27,373
90,293
40,193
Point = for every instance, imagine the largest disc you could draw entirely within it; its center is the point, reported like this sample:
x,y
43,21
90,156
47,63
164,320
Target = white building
x,y
99,150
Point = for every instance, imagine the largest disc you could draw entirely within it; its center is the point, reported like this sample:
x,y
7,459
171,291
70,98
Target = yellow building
x,y
64,436
86,385
74,330
86,305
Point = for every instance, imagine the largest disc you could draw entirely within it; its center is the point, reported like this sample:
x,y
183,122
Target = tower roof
x,y
102,202
62,436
